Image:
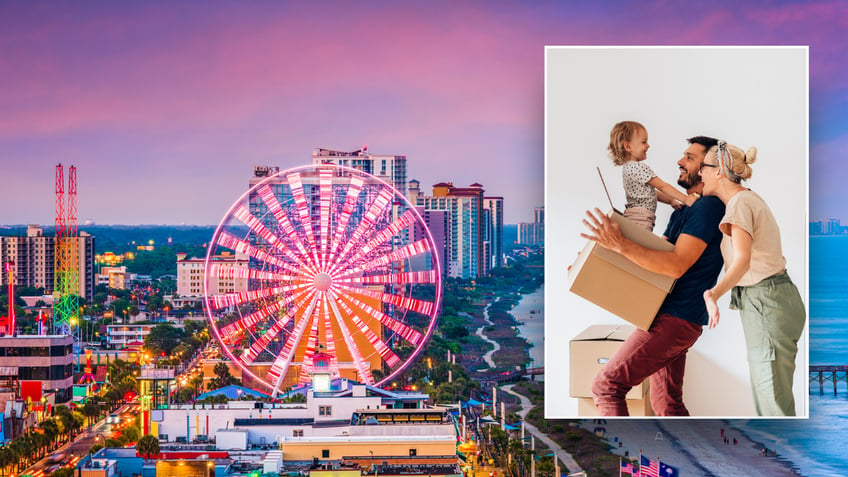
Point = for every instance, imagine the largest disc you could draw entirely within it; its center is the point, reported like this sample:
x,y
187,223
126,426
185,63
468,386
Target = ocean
x,y
817,446
530,311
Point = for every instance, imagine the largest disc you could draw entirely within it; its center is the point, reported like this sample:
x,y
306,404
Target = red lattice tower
x,y
66,273
73,248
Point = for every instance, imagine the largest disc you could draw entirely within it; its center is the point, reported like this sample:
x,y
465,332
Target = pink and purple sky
x,y
165,107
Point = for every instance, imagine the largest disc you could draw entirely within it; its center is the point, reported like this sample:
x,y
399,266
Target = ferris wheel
x,y
322,268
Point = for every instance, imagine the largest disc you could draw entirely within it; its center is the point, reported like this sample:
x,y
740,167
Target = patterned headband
x,y
725,161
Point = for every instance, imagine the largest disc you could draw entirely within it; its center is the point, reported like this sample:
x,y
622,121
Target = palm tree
x,y
132,433
6,459
19,450
91,411
114,396
78,422
148,446
51,429
66,420
40,442
197,383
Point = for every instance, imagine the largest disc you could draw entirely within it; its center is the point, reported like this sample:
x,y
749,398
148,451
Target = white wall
x,y
749,96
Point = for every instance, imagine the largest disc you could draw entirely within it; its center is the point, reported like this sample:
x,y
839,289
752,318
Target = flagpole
x,y
640,462
619,466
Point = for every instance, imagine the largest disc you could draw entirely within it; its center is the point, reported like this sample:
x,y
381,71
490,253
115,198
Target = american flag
x,y
628,468
649,468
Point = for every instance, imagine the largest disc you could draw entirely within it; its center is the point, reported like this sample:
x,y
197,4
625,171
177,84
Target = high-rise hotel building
x,y
387,167
468,224
493,210
34,260
533,233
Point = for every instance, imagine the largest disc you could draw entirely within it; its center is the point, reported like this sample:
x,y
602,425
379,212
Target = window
x,y
297,432
325,410
413,452
325,453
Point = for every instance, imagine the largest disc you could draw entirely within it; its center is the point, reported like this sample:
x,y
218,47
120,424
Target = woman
x,y
772,312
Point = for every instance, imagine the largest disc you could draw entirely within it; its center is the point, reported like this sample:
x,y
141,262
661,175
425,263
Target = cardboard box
x,y
635,407
589,352
618,285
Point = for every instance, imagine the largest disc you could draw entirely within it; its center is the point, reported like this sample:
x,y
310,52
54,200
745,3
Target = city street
x,y
71,453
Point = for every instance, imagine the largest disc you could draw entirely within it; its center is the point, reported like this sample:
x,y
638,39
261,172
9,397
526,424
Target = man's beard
x,y
689,180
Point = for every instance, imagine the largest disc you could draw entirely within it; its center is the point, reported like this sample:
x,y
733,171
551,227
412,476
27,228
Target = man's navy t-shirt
x,y
701,220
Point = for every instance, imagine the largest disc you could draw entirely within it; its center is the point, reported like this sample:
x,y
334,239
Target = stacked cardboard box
x,y
589,351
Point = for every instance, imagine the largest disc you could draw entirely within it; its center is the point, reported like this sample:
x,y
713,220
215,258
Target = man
x,y
695,262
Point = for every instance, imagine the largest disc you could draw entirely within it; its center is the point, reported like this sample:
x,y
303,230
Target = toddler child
x,y
628,148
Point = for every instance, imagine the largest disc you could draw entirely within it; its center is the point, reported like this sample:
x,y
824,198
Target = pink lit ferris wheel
x,y
322,269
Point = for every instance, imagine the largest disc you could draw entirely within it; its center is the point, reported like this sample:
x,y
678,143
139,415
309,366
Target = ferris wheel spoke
x,y
260,230
240,298
407,251
361,366
231,331
331,344
409,334
242,246
325,183
424,307
260,344
299,196
281,364
229,272
250,354
405,220
379,205
311,345
405,278
349,206
382,349
276,209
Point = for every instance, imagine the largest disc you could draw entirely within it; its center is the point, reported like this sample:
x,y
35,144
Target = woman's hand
x,y
712,308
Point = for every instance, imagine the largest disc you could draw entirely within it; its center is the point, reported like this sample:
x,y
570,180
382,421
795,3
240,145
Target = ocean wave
x,y
814,446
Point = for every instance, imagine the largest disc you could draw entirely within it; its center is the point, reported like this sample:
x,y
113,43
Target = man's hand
x,y
603,230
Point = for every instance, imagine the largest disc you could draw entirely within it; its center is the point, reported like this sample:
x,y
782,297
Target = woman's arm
x,y
742,241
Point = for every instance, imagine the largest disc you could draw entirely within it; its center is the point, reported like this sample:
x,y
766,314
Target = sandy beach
x,y
695,447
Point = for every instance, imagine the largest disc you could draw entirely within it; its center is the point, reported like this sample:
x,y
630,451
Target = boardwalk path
x,y
495,346
561,454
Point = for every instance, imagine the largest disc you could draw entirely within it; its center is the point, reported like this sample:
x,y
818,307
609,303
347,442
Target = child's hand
x,y
691,198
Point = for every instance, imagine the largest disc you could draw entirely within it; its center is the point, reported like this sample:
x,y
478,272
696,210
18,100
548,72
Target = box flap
x,y
640,235
621,332
604,332
594,332
663,282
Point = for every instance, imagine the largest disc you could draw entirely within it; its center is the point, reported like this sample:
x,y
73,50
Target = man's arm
x,y
674,264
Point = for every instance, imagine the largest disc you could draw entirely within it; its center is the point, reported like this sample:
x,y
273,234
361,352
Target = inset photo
x,y
676,200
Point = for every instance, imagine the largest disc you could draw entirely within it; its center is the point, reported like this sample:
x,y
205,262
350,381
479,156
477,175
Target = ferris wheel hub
x,y
323,281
